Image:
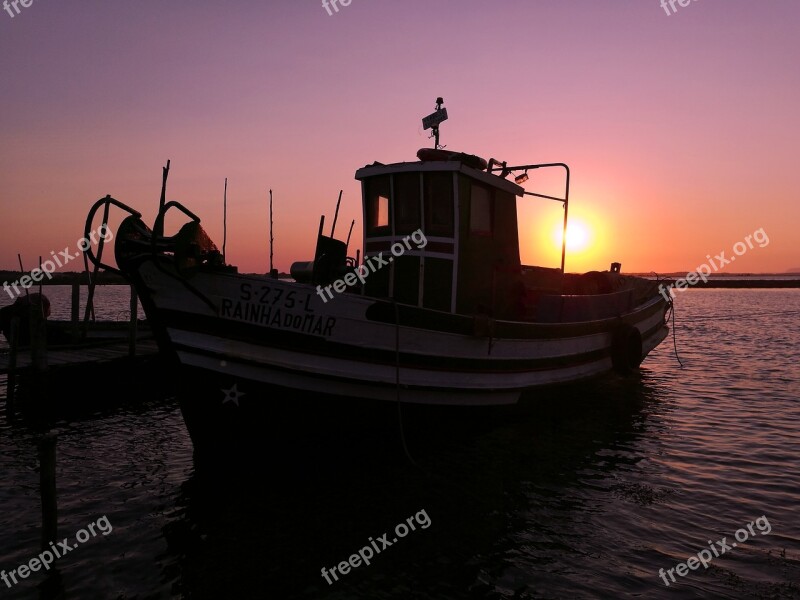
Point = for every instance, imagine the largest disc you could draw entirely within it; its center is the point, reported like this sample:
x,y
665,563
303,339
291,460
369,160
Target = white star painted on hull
x,y
232,395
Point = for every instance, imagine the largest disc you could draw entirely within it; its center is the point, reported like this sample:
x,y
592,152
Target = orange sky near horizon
x,y
680,130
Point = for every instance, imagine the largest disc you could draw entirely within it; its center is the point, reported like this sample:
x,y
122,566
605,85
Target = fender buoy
x,y
476,162
626,349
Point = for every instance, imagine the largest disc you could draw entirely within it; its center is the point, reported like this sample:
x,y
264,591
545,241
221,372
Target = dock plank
x,y
83,355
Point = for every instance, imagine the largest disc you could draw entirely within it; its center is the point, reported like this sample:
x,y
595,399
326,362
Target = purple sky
x,y
680,129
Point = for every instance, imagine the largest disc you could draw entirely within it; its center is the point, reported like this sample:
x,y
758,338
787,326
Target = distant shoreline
x,y
755,280
103,278
749,283
735,280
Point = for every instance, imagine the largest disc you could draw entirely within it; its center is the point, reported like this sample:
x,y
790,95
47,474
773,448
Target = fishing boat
x,y
438,311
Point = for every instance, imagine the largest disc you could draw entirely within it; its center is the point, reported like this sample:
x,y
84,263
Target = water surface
x,y
585,492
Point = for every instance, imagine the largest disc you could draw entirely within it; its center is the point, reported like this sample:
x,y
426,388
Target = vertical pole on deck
x,y
566,213
133,323
271,239
158,227
347,243
47,489
336,214
225,221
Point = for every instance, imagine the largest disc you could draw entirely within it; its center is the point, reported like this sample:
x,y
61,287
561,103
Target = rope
x,y
674,335
397,383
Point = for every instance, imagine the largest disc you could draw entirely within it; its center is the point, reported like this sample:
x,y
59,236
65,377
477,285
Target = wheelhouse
x,y
450,231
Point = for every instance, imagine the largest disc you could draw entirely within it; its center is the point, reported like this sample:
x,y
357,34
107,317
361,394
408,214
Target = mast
x,y
271,239
225,220
432,121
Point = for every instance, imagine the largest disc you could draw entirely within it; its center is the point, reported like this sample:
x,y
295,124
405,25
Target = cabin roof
x,y
450,165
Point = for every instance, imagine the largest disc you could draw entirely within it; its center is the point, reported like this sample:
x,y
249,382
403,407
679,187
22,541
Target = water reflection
x,y
492,486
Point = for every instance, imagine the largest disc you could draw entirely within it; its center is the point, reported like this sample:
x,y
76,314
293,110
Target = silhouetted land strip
x,y
736,281
103,278
749,283
763,281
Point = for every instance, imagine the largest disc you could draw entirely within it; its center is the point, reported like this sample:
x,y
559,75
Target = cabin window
x,y
480,211
406,202
377,206
438,200
381,212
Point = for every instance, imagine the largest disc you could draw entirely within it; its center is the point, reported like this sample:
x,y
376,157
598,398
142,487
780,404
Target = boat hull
x,y
274,332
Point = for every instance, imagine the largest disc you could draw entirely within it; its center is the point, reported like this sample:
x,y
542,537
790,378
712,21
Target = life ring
x,y
476,162
626,349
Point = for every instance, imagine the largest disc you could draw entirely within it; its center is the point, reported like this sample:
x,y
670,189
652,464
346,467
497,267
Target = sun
x,y
578,236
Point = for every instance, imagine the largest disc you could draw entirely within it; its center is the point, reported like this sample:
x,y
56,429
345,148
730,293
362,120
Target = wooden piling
x,y
11,385
76,312
133,323
38,323
47,488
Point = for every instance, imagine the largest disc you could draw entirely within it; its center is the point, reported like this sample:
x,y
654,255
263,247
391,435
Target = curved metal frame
x,y
106,202
506,170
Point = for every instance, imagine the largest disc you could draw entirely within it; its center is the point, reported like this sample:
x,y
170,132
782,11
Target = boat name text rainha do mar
x,y
270,307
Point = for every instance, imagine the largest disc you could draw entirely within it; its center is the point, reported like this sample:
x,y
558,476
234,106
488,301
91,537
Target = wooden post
x,y
38,323
47,489
38,328
76,312
133,323
12,365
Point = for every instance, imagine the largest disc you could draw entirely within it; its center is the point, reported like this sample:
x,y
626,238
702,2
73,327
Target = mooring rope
x,y
397,382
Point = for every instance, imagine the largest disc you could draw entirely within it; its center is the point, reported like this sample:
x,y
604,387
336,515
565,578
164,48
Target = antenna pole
x,y
433,120
336,214
21,269
224,220
159,229
439,102
347,245
271,239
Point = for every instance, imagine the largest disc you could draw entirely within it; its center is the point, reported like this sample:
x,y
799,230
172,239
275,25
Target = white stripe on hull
x,y
354,378
381,373
304,382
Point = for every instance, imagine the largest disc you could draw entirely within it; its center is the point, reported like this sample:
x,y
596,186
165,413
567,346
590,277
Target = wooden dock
x,y
58,351
82,355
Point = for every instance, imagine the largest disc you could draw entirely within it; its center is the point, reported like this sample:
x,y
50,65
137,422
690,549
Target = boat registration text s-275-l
x,y
273,307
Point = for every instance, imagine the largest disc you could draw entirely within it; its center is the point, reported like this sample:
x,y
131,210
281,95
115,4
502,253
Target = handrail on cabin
x,y
506,170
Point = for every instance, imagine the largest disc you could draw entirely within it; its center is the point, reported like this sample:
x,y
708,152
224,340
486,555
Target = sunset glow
x,y
578,236
257,95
